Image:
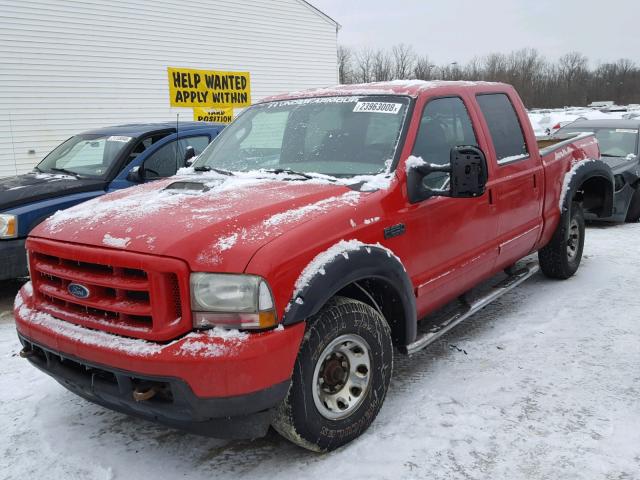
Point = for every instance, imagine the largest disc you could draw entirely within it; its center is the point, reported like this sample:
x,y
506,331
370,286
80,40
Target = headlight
x,y
8,226
231,301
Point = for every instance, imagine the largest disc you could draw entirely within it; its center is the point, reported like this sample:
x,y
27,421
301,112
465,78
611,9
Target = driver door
x,y
453,238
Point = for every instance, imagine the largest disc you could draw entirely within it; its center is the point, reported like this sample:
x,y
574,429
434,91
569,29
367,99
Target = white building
x,y
71,65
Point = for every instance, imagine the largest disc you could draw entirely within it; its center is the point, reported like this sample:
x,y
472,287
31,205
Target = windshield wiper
x,y
609,155
289,171
206,168
64,170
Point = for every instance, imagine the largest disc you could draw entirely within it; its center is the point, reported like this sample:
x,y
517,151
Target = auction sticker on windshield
x,y
377,107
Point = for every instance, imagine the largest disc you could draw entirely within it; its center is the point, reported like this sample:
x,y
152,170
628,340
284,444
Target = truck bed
x,y
548,144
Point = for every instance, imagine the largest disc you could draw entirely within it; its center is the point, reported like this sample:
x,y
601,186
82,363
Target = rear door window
x,y
504,127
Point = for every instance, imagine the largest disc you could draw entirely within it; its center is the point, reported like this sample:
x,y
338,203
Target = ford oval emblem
x,y
78,291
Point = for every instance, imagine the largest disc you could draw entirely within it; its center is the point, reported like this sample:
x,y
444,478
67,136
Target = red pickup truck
x,y
269,283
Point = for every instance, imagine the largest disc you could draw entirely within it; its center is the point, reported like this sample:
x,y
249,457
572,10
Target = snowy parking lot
x,y
544,383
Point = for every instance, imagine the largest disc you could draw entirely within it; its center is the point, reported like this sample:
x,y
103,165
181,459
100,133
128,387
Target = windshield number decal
x,y
626,130
377,107
118,138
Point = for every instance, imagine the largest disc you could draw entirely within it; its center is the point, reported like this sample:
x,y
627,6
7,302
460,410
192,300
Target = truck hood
x,y
214,222
31,187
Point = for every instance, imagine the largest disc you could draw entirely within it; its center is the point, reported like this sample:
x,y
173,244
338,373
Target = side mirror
x,y
468,174
136,175
189,156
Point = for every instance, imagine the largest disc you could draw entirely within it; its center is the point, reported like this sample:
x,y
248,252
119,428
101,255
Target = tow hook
x,y
26,353
142,394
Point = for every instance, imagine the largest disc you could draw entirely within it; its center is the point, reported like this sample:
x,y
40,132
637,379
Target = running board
x,y
470,308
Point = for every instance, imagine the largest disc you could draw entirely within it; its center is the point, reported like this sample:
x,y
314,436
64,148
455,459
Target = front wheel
x,y
561,257
340,377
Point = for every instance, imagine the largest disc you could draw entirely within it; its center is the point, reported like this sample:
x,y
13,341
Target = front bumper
x,y
239,417
14,259
219,386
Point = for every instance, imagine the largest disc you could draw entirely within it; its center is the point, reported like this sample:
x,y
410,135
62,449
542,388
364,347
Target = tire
x,y
321,412
561,257
633,214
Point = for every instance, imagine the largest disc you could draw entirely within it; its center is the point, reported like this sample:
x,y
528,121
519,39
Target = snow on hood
x,y
214,222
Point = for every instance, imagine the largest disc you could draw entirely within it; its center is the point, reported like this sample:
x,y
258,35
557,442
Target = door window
x,y
168,158
504,127
445,124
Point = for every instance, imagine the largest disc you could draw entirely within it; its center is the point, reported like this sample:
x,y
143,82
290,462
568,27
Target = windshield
x,y
85,155
614,142
338,136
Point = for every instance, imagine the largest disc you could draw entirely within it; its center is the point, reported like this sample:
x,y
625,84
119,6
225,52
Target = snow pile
x,y
215,342
566,183
132,205
321,206
229,342
316,266
343,247
115,241
225,243
545,121
513,158
85,336
381,181
52,177
374,88
414,162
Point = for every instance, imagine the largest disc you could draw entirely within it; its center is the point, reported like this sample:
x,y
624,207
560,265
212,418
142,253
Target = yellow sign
x,y
216,115
208,88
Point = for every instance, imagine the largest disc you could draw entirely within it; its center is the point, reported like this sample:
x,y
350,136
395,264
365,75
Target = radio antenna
x,y
177,138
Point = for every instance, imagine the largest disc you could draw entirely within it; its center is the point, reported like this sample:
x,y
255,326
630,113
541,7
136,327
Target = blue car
x,y
86,166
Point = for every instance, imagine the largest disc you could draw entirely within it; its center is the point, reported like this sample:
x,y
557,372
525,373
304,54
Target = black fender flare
x,y
581,173
365,262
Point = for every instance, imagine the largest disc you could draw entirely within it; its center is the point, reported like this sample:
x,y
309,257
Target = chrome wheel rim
x,y
342,376
573,242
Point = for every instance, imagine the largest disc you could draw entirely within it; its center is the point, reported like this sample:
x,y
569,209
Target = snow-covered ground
x,y
543,119
543,384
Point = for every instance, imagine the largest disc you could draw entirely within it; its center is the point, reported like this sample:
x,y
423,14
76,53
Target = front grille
x,y
136,295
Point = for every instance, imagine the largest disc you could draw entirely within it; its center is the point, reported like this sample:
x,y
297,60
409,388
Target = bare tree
x,y
403,60
423,68
382,66
364,65
541,83
344,64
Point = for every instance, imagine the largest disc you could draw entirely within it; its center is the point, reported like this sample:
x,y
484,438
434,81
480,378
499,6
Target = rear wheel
x,y
633,214
340,378
561,257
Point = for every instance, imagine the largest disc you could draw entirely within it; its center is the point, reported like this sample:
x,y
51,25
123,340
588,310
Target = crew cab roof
x,y
606,123
139,129
412,88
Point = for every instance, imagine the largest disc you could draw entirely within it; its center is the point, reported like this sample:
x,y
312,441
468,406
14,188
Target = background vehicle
x,y
86,166
269,285
619,141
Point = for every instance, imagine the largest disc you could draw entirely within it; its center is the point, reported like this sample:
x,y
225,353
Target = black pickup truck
x,y
619,148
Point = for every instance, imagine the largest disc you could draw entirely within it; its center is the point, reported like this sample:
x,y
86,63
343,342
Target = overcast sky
x,y
457,30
